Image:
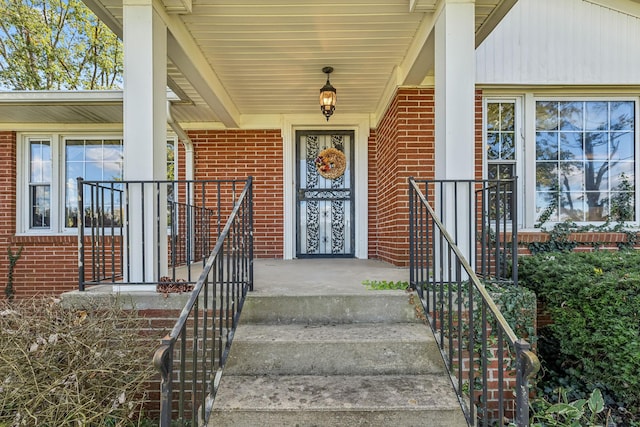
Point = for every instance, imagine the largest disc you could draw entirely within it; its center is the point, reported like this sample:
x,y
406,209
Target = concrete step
x,y
361,359
364,307
334,349
328,401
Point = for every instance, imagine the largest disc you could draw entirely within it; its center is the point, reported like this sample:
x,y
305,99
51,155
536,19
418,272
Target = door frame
x,y
360,125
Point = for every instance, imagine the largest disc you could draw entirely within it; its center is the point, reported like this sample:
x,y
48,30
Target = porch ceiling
x,y
232,59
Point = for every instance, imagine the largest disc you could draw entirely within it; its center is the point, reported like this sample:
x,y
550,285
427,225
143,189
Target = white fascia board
x,y
105,16
50,97
628,7
418,62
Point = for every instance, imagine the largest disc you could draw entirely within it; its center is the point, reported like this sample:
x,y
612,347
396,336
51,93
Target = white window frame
x,y
519,145
58,184
525,116
530,155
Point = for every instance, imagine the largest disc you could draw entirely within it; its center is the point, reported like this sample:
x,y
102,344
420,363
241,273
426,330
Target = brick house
x,y
545,90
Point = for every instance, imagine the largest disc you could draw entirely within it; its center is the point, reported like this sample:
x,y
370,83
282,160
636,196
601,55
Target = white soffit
x,y
87,107
262,57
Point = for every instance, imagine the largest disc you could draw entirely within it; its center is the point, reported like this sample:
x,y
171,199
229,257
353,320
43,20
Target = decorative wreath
x,y
331,163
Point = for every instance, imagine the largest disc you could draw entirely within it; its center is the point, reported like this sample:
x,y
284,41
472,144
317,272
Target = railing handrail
x,y
177,328
164,355
526,361
473,278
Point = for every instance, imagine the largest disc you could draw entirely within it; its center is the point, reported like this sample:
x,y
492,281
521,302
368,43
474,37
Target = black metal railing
x,y
190,359
484,216
489,365
116,232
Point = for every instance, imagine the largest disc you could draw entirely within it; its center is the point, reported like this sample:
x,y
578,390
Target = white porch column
x,y
455,109
145,136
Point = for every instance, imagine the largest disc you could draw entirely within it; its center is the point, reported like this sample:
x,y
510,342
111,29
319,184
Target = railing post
x,y
412,236
514,230
80,235
163,362
522,383
250,195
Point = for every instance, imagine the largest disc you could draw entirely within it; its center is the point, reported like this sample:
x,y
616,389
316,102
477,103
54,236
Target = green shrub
x,y
62,367
594,341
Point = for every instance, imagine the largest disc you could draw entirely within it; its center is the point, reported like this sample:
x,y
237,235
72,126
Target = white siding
x,y
551,42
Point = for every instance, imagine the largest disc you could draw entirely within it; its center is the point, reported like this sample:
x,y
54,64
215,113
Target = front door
x,y
324,196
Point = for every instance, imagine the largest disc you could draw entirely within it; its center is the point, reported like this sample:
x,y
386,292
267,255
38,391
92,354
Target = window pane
x,y
543,202
547,146
571,176
493,116
40,161
92,160
622,147
596,145
40,206
507,119
112,171
597,116
546,176
74,150
622,115
93,171
493,146
571,146
571,115
620,173
572,206
508,149
546,115
74,170
113,153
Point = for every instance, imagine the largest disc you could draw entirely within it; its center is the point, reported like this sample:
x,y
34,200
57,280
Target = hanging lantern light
x,y
328,95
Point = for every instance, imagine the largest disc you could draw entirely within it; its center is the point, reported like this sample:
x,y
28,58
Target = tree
x,y
56,45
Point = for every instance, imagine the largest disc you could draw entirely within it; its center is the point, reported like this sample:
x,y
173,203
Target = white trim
x,y
54,96
58,127
361,126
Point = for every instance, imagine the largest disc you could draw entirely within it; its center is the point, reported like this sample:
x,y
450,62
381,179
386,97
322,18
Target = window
x,y
575,158
40,183
585,157
48,189
93,160
501,152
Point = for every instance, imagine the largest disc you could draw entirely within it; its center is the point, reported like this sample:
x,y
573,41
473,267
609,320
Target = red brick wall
x,y
404,146
48,264
234,154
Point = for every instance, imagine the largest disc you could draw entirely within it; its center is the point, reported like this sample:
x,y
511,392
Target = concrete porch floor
x,y
321,276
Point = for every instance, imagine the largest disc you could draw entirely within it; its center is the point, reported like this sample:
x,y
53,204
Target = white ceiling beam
x,y
422,5
492,21
187,56
107,18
